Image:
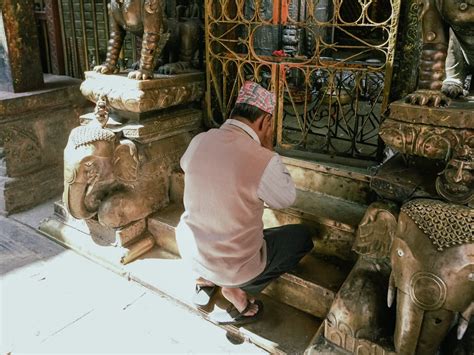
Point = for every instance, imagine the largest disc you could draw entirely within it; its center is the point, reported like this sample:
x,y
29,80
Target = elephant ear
x,y
126,162
376,231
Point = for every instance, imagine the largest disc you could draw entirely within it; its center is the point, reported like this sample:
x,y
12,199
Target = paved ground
x,y
55,301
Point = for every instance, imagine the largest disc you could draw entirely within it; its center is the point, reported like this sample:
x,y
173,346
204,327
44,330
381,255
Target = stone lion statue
x,y
448,50
147,19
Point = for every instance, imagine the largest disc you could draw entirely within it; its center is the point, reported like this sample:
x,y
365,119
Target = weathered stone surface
x,y
141,96
163,124
23,192
34,127
20,63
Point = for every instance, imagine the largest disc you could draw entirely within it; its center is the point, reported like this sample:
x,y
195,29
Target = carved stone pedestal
x,y
118,166
444,135
34,127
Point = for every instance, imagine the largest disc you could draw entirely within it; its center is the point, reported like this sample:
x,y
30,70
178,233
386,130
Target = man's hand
x,y
267,128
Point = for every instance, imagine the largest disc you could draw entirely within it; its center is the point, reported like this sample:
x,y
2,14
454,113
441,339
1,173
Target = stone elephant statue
x,y
111,179
432,279
424,256
448,50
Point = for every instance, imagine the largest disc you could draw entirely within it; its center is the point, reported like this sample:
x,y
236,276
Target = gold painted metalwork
x,y
431,286
446,225
430,244
329,62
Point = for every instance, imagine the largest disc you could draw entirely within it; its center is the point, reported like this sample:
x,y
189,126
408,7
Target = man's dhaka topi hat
x,y
253,94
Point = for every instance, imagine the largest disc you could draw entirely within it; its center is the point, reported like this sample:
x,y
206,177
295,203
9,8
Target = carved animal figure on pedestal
x,y
448,50
110,179
146,19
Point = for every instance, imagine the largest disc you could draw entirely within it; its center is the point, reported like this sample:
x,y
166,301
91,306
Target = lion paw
x,y
105,69
141,74
175,68
428,98
452,90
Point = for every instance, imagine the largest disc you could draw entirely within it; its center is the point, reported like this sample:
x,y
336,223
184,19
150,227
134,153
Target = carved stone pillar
x,y
119,161
20,62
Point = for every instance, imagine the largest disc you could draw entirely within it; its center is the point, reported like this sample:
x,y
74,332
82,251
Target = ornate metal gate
x,y
329,62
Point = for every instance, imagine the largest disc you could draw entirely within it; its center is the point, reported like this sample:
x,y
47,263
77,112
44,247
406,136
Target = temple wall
x,y
34,127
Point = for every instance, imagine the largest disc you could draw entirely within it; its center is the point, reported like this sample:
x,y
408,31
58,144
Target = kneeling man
x,y
230,173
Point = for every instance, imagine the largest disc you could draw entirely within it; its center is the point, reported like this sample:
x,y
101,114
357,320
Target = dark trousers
x,y
286,246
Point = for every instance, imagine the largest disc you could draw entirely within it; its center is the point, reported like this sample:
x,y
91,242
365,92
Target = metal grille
x,y
85,31
329,62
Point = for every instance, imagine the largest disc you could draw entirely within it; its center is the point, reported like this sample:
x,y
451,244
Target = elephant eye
x,y
400,252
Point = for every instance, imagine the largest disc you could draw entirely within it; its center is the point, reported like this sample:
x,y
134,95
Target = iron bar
x,y
84,36
96,33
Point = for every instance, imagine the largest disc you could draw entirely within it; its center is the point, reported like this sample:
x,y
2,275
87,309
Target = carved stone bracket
x,y
424,140
135,96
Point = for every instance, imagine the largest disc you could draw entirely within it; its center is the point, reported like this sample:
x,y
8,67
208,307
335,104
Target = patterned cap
x,y
253,94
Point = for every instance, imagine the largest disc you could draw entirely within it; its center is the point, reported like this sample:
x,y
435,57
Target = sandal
x,y
232,316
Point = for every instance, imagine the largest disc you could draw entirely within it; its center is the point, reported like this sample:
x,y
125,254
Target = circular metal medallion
x,y
427,290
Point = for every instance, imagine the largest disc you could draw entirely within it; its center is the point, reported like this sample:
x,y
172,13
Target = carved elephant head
x,y
432,259
104,177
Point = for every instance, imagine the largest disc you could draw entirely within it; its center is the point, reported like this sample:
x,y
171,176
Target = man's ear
x,y
260,122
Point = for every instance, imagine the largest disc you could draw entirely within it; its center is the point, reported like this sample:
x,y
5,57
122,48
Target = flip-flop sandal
x,y
203,295
232,316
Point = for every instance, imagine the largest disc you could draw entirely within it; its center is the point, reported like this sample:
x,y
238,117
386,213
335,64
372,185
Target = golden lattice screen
x,y
328,61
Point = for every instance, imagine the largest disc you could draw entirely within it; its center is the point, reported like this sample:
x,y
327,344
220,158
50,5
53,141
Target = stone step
x,y
346,183
311,287
334,221
168,275
340,181
282,330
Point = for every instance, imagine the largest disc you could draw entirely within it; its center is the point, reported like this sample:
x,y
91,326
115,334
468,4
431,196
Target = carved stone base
x,y
160,143
34,127
114,247
429,132
135,99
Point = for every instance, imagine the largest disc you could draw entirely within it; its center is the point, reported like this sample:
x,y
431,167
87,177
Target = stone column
x,y
20,62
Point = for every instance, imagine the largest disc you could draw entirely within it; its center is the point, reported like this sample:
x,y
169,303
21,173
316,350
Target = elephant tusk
x,y
462,327
464,319
391,290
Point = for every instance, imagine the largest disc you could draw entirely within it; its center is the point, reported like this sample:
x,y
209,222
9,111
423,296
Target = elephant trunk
x,y
73,198
419,331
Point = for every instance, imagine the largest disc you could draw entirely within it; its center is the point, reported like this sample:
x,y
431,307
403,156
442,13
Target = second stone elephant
x,y
432,280
111,179
425,255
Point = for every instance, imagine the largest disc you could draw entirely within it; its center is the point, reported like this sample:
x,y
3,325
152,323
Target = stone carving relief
x,y
124,95
110,178
425,140
22,149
